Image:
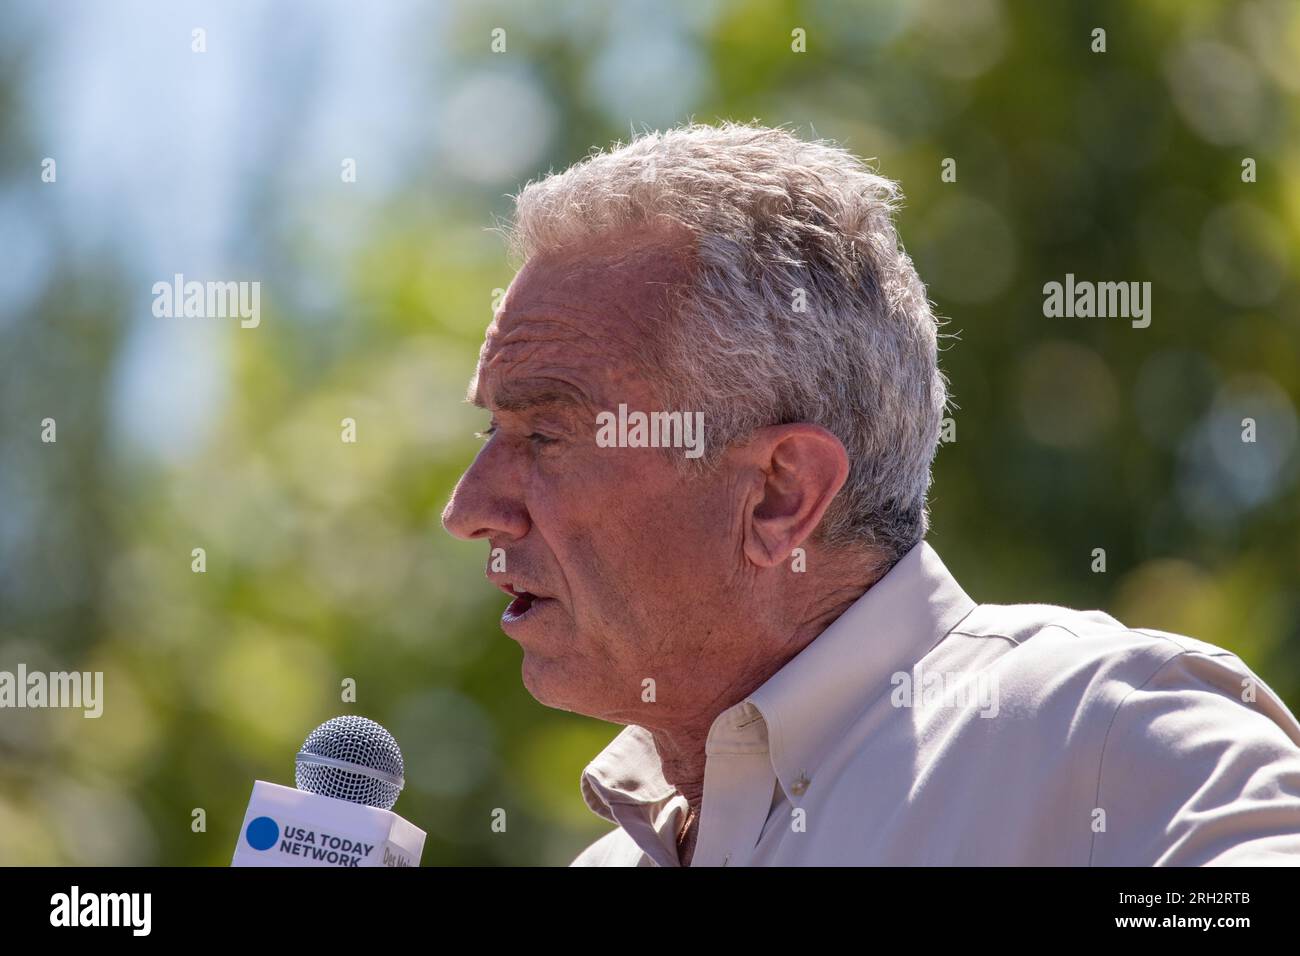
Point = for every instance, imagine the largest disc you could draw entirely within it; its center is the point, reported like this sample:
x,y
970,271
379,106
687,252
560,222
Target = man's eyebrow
x,y
521,396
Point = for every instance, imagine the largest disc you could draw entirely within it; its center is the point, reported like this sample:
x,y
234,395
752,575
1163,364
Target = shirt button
x,y
800,785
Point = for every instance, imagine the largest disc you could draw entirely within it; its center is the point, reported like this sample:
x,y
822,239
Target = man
x,y
801,679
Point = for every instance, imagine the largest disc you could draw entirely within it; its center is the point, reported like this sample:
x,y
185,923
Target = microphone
x,y
349,774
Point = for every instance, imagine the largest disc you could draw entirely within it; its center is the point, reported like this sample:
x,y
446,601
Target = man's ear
x,y
801,467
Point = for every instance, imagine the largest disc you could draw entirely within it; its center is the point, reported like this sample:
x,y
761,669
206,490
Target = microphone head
x,y
351,758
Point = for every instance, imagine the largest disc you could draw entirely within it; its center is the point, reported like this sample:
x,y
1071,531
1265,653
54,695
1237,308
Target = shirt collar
x,y
809,701
628,771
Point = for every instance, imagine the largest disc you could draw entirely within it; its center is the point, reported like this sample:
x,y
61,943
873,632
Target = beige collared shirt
x,y
923,729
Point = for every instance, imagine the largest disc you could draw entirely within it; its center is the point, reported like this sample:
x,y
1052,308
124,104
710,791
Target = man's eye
x,y
537,438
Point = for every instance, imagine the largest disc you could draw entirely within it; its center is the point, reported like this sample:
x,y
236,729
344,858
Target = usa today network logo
x,y
265,834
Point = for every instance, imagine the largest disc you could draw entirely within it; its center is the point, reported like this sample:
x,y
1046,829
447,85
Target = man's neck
x,y
686,845
682,750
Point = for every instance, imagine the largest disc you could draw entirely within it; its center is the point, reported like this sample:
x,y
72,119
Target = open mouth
x,y
520,605
524,605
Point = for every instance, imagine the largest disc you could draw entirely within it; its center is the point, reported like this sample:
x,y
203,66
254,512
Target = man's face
x,y
627,560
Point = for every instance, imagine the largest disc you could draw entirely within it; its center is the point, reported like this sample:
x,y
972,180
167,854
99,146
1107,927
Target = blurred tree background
x,y
326,560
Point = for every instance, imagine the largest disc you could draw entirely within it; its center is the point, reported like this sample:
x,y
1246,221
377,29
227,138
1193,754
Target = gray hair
x,y
778,222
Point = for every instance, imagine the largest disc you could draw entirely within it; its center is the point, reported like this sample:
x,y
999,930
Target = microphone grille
x,y
351,758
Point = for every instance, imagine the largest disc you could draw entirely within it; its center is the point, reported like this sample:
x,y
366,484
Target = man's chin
x,y
547,680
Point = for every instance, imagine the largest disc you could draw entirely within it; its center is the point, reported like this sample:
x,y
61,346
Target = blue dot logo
x,y
262,833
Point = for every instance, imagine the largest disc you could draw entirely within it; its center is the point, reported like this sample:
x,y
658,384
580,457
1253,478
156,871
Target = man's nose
x,y
482,505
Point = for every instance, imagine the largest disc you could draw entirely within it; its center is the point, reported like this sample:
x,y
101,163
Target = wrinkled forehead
x,y
586,318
